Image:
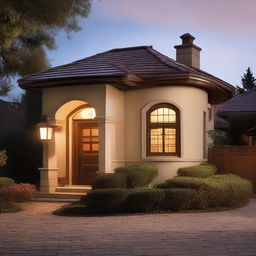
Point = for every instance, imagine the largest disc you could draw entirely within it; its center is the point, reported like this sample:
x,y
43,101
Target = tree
x,y
248,82
27,30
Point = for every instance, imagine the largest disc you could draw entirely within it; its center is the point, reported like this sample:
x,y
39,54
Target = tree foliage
x,y
248,82
27,30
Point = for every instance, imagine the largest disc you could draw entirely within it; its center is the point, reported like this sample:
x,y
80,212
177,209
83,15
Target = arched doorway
x,y
77,143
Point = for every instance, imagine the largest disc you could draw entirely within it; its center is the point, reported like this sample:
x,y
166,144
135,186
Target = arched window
x,y
163,130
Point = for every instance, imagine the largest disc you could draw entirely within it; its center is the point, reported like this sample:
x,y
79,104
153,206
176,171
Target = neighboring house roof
x,y
129,68
220,123
11,118
245,102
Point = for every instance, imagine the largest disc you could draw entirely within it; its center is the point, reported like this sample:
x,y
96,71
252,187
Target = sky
x,y
224,29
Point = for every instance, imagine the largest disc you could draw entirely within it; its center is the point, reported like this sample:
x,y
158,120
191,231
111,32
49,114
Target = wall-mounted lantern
x,y
46,127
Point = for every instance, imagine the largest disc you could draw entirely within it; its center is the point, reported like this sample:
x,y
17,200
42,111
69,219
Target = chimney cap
x,y
187,38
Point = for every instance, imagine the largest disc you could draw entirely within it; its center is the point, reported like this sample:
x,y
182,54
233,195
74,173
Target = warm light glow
x,y
163,115
46,133
88,113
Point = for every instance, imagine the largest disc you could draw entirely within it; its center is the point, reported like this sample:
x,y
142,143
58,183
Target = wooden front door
x,y
85,151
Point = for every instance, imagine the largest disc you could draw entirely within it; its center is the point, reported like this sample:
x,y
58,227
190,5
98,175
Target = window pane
x,y
163,115
169,140
95,132
86,132
86,147
156,140
95,147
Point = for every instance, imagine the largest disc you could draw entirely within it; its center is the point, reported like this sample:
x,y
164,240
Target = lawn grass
x,y
77,209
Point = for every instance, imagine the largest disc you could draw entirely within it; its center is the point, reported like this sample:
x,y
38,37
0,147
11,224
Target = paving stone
x,y
35,231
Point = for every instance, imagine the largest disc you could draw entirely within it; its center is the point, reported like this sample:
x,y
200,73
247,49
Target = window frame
x,y
175,125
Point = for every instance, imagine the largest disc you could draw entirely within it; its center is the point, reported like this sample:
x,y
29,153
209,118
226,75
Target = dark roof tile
x,y
245,102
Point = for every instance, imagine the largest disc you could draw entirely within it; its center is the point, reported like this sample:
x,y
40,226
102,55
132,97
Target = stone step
x,y
73,189
57,197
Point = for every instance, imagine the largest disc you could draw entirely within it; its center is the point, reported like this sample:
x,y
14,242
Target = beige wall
x,y
191,102
121,118
58,103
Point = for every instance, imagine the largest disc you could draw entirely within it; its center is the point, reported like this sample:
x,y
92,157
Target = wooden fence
x,y
240,160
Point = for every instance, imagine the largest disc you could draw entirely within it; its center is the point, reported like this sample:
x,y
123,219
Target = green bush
x,y
106,200
215,191
138,175
143,200
228,190
183,182
177,199
109,180
200,171
4,182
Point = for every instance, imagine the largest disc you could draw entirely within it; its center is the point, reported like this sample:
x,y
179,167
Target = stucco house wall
x,y
122,85
191,102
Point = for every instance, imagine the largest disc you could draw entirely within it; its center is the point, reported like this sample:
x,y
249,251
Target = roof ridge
x,y
131,48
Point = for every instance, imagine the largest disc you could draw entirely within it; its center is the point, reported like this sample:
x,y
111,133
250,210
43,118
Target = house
x,y
127,106
242,108
12,118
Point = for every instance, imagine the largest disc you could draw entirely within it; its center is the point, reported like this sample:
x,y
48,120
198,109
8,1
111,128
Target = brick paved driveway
x,y
36,231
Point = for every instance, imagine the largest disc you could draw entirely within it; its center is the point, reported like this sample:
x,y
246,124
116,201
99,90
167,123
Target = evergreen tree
x,y
248,80
27,30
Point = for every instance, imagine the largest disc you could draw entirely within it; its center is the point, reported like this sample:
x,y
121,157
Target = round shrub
x,y
228,190
138,175
105,200
183,182
22,192
178,199
143,200
109,180
6,197
200,171
214,191
5,182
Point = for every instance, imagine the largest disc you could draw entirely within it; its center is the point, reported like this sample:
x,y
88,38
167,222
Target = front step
x,y
62,194
74,189
57,197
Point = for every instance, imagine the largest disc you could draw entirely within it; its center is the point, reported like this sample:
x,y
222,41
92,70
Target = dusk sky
x,y
224,29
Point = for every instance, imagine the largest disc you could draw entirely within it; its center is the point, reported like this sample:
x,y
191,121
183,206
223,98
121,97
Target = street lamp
x,y
46,127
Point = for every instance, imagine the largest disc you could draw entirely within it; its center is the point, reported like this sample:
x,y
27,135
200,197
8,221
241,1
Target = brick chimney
x,y
187,53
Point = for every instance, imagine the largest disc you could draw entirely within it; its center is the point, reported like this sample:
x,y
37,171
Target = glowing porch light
x,y
46,128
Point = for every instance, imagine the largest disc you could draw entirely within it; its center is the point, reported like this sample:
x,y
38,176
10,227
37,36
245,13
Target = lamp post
x,y
48,173
46,127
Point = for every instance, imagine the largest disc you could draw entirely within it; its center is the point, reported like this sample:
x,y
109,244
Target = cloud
x,y
229,16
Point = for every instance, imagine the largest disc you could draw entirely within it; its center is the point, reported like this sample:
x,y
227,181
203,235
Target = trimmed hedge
x,y
214,191
177,199
133,176
143,200
176,194
106,200
183,182
138,175
204,170
5,182
228,190
109,180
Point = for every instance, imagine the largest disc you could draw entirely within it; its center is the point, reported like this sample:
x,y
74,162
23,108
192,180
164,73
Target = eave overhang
x,y
218,90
